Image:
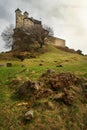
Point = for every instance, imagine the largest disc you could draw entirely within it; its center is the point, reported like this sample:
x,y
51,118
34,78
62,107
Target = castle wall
x,y
19,20
55,41
59,42
27,23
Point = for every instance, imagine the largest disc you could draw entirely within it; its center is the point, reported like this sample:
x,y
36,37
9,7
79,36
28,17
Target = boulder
x,y
9,64
40,64
29,115
59,66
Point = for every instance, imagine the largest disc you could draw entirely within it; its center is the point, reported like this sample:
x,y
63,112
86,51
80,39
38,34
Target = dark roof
x,y
26,12
35,21
17,10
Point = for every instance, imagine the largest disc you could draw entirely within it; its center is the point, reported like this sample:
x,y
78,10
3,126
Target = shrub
x,y
9,64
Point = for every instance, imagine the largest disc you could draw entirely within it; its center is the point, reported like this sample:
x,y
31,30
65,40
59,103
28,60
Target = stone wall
x,y
55,41
19,20
22,20
59,42
27,23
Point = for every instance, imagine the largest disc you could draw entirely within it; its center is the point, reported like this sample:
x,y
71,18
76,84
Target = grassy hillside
x,y
48,114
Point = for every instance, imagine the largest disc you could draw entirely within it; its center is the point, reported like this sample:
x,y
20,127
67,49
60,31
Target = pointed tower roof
x,y
17,10
26,12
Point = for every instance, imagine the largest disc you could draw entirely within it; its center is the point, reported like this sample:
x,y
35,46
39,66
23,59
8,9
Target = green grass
x,y
10,113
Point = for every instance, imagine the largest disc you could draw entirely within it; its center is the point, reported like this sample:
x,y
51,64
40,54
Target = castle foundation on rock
x,y
22,20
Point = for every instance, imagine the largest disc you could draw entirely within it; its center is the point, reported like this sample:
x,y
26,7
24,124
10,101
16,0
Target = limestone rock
x,y
29,115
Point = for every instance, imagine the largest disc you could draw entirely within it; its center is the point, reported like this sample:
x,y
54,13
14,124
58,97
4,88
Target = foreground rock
x,y
9,64
29,115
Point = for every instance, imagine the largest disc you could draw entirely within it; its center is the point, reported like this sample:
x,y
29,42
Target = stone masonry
x,y
23,20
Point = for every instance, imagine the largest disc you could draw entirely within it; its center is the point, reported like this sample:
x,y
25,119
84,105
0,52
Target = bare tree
x,y
79,52
38,33
7,36
27,36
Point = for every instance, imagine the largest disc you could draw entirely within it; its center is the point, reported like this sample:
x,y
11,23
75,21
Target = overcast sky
x,y
68,18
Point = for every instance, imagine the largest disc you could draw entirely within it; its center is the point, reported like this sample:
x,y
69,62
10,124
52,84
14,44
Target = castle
x,y
24,21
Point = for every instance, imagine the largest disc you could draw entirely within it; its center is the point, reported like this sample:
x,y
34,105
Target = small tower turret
x,y
18,11
19,18
26,14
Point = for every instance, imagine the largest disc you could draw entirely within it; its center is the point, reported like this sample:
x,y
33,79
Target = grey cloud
x,y
4,14
62,15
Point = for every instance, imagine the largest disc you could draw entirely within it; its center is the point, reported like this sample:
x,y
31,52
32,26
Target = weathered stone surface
x,y
29,115
55,41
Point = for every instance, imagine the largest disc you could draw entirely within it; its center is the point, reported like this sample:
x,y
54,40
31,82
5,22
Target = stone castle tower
x,y
23,20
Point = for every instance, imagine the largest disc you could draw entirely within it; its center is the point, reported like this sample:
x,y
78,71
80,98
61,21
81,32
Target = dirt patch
x,y
49,85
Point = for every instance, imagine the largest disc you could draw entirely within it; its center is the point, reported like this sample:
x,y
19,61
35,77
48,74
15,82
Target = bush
x,y
9,64
79,52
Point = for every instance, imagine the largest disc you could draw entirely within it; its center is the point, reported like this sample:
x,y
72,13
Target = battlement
x,y
23,20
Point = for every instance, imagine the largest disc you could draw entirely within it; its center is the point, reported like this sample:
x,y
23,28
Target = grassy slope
x,y
11,114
